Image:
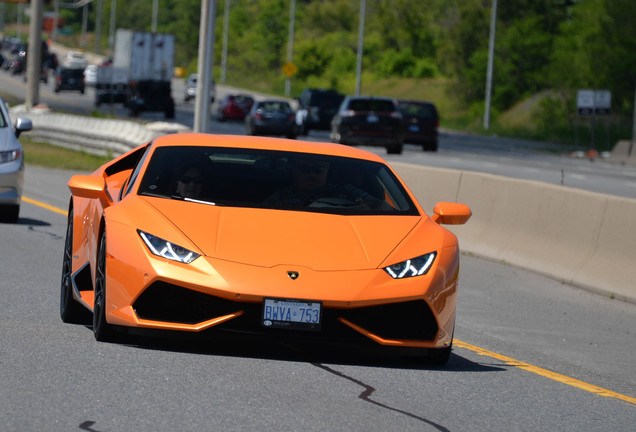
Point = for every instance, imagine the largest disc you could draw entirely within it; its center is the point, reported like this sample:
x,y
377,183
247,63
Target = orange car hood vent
x,y
272,237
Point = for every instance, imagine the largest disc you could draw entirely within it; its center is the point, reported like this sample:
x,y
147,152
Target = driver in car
x,y
310,184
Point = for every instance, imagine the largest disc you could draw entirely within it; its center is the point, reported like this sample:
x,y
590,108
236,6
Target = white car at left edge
x,y
11,164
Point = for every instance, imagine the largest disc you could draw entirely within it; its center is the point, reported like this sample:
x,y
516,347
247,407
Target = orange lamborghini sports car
x,y
260,236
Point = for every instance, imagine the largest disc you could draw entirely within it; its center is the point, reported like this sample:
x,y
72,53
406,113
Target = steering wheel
x,y
331,196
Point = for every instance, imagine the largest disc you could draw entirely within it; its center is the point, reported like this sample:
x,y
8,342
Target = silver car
x,y
11,164
191,88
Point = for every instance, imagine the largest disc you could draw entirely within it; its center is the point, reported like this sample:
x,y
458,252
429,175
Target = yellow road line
x,y
546,373
481,351
43,205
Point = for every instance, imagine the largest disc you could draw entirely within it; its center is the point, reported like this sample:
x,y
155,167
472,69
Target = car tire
x,y
432,147
439,357
103,331
394,149
10,213
70,310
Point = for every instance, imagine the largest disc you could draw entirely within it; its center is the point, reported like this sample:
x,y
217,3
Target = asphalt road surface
x,y
531,354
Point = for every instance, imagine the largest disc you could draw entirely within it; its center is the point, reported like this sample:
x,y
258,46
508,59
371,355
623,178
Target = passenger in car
x,y
310,184
190,182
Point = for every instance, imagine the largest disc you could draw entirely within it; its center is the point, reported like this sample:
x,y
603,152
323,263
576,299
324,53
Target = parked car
x,y
316,108
235,106
373,121
191,88
69,79
271,117
421,121
11,164
358,262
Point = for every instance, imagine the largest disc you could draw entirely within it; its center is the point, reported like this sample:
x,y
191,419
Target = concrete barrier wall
x,y
583,238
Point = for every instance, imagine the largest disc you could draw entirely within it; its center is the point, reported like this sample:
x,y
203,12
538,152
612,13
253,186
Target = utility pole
x,y
111,34
226,29
363,12
631,144
491,55
290,44
155,13
84,25
34,65
98,27
206,65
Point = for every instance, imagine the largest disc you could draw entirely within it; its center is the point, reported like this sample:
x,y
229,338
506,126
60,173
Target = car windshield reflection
x,y
238,177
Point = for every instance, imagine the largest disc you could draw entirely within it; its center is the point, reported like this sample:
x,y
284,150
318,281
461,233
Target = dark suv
x,y
421,121
69,79
316,108
372,121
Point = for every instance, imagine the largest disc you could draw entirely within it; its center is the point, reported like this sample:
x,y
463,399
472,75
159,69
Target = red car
x,y
235,107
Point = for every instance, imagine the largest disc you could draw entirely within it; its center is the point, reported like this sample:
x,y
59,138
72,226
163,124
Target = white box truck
x,y
147,60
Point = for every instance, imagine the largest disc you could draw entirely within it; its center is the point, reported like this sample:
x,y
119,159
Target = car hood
x,y
264,237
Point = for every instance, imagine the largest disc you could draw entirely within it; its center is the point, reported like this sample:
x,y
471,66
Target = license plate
x,y
414,128
372,118
291,314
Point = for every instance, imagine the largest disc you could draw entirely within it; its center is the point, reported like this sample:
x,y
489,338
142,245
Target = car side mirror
x,y
92,187
22,124
451,213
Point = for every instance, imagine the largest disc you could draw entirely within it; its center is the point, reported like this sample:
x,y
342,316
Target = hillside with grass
x,y
545,51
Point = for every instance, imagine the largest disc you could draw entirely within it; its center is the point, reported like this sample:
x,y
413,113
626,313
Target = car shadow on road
x,y
32,222
320,352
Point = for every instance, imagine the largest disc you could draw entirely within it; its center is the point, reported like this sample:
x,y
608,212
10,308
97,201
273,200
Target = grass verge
x,y
50,156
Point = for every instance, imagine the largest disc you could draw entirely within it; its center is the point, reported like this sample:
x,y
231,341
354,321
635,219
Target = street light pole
x,y
155,13
363,11
290,44
226,29
34,65
111,34
491,54
205,67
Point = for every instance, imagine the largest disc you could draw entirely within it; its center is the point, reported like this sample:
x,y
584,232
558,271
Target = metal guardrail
x,y
105,137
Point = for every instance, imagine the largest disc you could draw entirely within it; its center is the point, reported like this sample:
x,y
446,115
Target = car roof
x,y
264,143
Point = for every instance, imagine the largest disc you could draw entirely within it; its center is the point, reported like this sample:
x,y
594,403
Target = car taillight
x,y
258,116
347,113
436,122
291,118
396,114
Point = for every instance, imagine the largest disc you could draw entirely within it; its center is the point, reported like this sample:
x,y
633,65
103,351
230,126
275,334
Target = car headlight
x,y
165,249
411,267
10,156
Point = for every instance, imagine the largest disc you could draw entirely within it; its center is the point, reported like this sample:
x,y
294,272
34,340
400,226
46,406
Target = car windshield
x,y
274,106
238,177
412,109
326,99
371,105
72,73
241,99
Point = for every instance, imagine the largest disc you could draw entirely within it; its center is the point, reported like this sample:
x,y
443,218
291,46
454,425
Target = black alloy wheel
x,y
70,310
101,329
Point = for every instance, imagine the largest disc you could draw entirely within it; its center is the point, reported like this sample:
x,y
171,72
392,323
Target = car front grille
x,y
166,302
